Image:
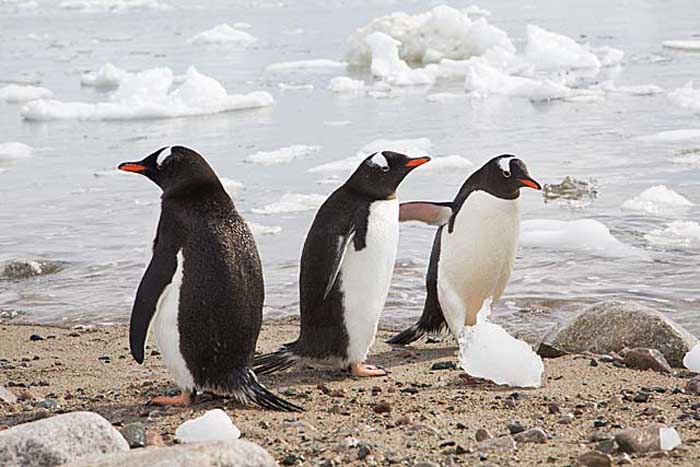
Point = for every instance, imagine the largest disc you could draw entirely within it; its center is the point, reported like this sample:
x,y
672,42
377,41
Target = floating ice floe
x,y
283,155
608,56
486,350
343,84
445,97
292,202
677,234
549,50
214,425
232,187
259,229
583,235
446,163
682,45
295,86
14,150
107,76
687,97
148,95
636,90
14,93
387,65
692,359
411,147
669,438
657,200
314,64
113,6
671,136
222,34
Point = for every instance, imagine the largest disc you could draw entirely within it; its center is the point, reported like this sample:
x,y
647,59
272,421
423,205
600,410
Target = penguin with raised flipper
x,y
474,247
346,268
202,293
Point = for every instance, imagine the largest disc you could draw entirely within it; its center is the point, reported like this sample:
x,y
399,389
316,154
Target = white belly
x,y
165,330
477,258
366,277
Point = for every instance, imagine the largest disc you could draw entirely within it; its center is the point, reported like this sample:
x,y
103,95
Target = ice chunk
x,y
447,163
677,234
232,187
315,64
549,50
107,76
14,150
687,97
295,86
148,95
17,93
682,45
486,350
447,97
292,202
582,235
637,90
113,6
346,85
671,136
283,155
222,34
608,56
387,65
670,439
259,229
657,200
692,359
214,425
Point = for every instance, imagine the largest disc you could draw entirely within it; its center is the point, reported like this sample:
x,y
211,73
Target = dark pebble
x,y
515,427
444,366
35,337
291,459
134,434
642,396
363,451
599,423
48,404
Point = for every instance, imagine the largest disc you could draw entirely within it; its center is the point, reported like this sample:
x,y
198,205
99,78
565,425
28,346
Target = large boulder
x,y
58,440
236,453
612,326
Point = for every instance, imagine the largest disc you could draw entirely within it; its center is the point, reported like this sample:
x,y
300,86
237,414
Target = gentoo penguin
x,y
346,268
474,247
202,293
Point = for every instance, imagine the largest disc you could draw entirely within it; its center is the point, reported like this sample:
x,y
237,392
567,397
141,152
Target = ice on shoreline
x,y
14,93
222,34
583,235
292,202
107,76
657,200
15,150
148,95
687,97
283,155
692,359
676,234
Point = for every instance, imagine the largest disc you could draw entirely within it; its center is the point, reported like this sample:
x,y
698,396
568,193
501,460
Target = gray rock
x,y
594,459
693,386
58,440
483,434
134,434
611,326
24,269
237,453
647,359
533,435
7,396
640,440
566,419
501,444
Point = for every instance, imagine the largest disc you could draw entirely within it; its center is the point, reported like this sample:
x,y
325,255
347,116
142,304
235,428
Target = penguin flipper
x,y
337,260
272,362
429,212
157,277
243,385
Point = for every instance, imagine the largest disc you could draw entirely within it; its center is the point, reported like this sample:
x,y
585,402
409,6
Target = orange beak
x,y
417,161
132,167
530,183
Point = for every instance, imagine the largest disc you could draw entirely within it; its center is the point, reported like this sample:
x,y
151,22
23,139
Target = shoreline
x,y
417,414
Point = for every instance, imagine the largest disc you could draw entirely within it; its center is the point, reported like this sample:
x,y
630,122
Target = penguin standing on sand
x,y
474,248
346,268
202,293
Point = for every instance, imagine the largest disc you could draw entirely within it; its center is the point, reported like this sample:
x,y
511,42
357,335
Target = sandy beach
x,y
419,414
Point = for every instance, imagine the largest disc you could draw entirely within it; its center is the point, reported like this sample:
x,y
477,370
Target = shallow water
x,y
66,203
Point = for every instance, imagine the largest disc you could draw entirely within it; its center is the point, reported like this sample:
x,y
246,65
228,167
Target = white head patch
x,y
504,163
164,154
380,161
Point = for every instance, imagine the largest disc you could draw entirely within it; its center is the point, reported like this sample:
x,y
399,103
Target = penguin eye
x,y
385,168
506,173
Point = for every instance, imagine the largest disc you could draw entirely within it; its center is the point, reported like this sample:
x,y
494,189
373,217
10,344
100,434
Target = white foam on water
x,y
14,93
682,45
107,76
222,34
671,136
214,425
260,229
292,202
687,97
15,150
692,359
635,90
486,350
582,235
147,95
669,438
343,84
314,64
657,200
676,234
113,6
411,147
283,155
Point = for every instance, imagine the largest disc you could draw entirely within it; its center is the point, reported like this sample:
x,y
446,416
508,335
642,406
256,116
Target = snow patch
x,y
677,234
687,97
692,359
447,163
295,86
147,95
583,235
292,202
283,155
14,93
214,425
486,350
657,200
222,34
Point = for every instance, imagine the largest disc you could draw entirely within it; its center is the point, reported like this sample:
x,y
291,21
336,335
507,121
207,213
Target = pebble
x,y
624,459
533,435
599,423
566,419
291,459
594,459
545,350
642,396
647,359
553,408
7,396
639,440
364,451
134,434
515,427
444,366
483,434
693,386
607,447
154,439
382,407
501,444
48,404
597,436
616,400
426,464
35,338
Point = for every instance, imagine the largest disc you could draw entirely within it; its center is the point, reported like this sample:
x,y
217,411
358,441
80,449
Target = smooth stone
x,y
501,444
545,350
594,459
482,435
647,359
611,326
7,396
640,440
134,434
59,440
533,435
693,386
236,453
515,427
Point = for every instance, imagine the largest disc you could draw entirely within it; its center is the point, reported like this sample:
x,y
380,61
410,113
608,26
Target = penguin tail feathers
x,y
409,335
273,362
247,390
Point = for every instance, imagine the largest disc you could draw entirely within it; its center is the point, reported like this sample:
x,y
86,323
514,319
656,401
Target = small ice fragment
x,y
14,93
343,84
549,50
314,64
232,187
635,90
671,136
682,45
14,150
259,229
670,439
222,34
687,97
487,351
214,425
677,234
107,76
657,200
692,359
283,155
292,202
295,86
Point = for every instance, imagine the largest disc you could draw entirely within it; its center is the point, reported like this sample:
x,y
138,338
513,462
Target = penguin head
x,y
504,176
177,170
380,174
